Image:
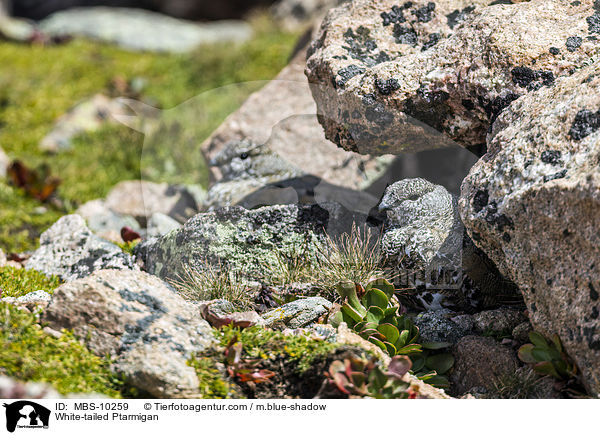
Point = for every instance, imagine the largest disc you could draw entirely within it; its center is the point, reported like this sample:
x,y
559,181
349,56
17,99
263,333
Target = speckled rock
x,y
499,321
141,199
247,240
299,313
392,78
68,249
439,326
479,362
139,30
149,330
283,115
520,333
532,204
31,301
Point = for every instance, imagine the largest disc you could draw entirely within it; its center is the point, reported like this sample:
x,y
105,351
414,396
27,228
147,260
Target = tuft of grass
x,y
29,354
293,267
354,256
522,384
18,282
215,282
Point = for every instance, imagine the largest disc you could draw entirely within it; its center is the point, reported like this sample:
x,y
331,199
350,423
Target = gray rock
x,y
299,313
391,79
142,199
500,321
479,363
139,30
532,205
439,326
160,224
68,249
248,241
105,222
87,116
149,330
283,116
521,332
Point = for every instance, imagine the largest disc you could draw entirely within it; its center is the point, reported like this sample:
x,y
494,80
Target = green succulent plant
x,y
548,357
373,313
360,377
374,317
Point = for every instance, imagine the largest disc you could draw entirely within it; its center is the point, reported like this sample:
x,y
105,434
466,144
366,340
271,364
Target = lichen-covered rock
x,y
31,301
149,330
499,321
439,326
68,249
139,30
532,204
250,242
479,363
392,77
299,313
141,199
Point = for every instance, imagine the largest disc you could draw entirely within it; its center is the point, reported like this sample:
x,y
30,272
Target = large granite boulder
x,y
532,204
69,249
147,328
391,78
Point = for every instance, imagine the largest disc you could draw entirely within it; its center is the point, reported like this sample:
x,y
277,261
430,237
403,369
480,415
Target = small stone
x,y
299,313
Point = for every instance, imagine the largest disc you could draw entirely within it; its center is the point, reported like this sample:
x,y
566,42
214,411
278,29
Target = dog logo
x,y
26,414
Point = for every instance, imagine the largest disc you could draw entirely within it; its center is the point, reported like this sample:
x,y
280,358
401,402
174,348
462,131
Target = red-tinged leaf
x,y
257,377
400,365
341,382
129,235
37,183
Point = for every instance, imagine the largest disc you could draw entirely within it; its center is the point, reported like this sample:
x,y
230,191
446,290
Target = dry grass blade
x,y
214,282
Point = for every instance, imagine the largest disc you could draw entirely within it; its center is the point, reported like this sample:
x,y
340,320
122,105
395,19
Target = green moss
x,y
40,83
22,219
19,282
212,384
28,354
268,344
128,247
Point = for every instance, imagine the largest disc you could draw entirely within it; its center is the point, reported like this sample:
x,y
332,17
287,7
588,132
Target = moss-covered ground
x,y
40,83
18,282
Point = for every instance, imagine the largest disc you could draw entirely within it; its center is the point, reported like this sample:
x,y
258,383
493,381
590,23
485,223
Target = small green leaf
x,y
546,368
441,363
436,345
418,362
410,349
538,340
391,350
349,312
377,298
378,343
391,332
375,314
384,285
525,354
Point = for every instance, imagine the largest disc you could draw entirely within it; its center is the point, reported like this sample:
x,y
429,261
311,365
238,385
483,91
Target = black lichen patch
x,y
526,77
595,313
347,73
501,2
480,200
457,16
555,51
573,43
499,220
396,15
378,114
468,104
594,23
586,122
555,176
434,38
386,87
498,104
551,156
405,35
425,14
593,293
362,47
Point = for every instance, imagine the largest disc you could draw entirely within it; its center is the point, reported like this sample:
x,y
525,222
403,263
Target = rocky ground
x,y
409,210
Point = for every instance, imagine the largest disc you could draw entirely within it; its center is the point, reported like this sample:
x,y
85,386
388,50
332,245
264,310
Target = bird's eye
x,y
244,156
